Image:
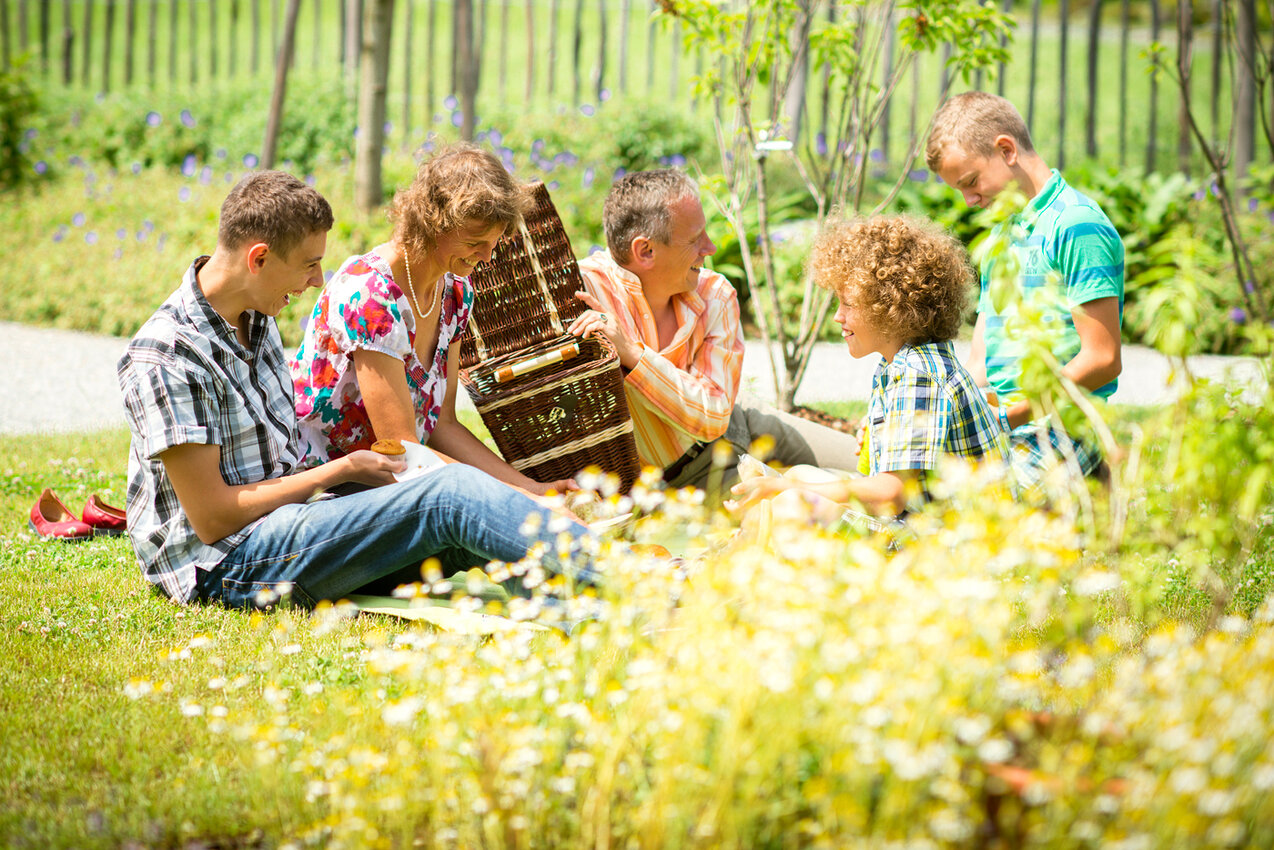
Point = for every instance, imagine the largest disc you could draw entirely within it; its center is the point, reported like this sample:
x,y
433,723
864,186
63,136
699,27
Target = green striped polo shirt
x,y
1066,253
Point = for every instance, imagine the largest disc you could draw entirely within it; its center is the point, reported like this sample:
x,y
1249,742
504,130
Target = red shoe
x,y
104,519
51,520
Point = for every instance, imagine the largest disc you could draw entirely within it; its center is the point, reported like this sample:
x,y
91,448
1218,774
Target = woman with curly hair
x,y
382,348
903,286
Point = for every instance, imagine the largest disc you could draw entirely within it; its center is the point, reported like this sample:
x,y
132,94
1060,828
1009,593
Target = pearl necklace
x,y
433,298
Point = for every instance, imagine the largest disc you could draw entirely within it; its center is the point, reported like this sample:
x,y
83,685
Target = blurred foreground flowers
x,y
983,685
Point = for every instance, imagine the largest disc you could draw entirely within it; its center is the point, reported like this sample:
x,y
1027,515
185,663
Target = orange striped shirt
x,y
684,393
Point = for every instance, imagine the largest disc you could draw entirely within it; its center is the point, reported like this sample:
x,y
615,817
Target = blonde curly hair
x,y
910,276
459,184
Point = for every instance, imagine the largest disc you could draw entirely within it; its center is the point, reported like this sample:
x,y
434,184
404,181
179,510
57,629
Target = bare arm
x,y
883,493
217,509
1099,360
383,385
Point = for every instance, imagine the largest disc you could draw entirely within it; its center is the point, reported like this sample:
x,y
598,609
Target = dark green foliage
x,y
18,103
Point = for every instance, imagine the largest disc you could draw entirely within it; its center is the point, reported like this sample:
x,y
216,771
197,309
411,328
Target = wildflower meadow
x,y
1092,671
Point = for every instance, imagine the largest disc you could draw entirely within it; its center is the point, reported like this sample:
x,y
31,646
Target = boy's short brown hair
x,y
459,184
911,277
971,122
272,207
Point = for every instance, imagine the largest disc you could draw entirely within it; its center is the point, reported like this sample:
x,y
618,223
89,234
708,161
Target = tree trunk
x,y
172,46
577,46
625,14
234,38
796,94
256,35
453,87
1245,93
1030,85
601,50
192,39
373,82
650,56
1123,81
467,69
1218,61
152,40
1152,135
22,26
530,50
479,39
212,40
44,36
108,32
1063,14
353,42
1004,44
317,52
1094,46
68,43
554,9
676,62
5,57
86,55
1185,52
944,78
130,32
431,65
279,96
885,134
408,50
826,109
504,50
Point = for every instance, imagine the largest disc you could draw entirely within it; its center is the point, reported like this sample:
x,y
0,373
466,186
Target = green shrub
x,y
18,103
579,154
141,129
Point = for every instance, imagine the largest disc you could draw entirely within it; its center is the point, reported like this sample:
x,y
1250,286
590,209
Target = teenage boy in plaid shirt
x,y
903,286
219,508
676,328
1070,262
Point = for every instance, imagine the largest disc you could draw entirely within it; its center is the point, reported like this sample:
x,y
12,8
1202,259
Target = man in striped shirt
x,y
1067,261
675,326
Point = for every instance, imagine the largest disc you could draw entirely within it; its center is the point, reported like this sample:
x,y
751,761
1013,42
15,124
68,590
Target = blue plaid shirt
x,y
925,405
186,379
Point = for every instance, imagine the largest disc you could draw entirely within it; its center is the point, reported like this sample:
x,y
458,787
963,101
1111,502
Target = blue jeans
x,y
331,548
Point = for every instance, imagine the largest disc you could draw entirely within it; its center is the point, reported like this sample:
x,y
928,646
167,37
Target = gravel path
x,y
56,380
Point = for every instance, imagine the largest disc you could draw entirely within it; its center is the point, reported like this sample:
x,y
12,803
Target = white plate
x,y
420,459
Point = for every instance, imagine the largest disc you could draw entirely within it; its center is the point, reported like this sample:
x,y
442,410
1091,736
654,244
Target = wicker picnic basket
x,y
553,403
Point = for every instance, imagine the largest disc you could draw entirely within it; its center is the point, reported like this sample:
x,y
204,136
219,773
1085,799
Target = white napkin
x,y
420,459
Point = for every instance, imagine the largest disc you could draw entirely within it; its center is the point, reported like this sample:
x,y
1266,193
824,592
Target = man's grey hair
x,y
638,205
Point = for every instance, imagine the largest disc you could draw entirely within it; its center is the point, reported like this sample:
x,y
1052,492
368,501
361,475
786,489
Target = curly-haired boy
x,y
903,286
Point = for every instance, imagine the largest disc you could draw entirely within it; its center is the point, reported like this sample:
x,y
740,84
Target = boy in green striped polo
x,y
1069,262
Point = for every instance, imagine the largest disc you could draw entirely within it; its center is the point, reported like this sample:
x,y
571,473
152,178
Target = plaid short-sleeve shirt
x,y
925,405
186,379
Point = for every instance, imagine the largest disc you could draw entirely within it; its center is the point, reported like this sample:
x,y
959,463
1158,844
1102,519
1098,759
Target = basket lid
x,y
525,295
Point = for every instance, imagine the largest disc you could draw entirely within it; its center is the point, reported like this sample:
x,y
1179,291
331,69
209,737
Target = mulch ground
x,y
848,426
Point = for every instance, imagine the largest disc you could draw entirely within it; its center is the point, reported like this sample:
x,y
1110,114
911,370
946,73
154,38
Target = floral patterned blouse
x,y
362,307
